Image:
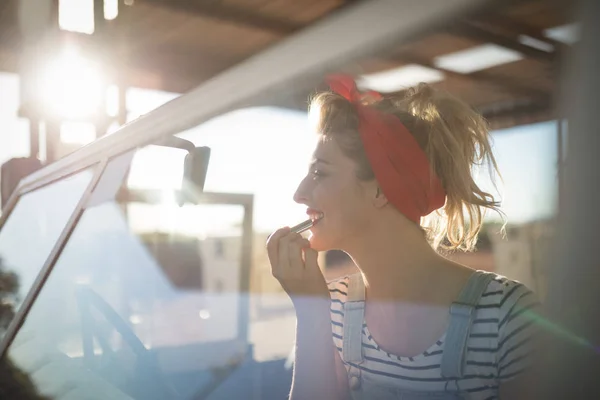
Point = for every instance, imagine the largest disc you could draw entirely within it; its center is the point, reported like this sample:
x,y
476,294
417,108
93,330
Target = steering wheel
x,y
149,381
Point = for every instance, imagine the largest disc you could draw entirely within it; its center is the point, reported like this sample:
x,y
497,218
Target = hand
x,y
294,265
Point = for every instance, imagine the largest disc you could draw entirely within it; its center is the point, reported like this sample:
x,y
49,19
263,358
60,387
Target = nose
x,y
302,192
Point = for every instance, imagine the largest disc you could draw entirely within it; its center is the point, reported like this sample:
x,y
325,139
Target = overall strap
x,y
462,313
354,316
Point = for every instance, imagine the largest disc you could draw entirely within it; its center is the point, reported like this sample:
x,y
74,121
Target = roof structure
x,y
504,61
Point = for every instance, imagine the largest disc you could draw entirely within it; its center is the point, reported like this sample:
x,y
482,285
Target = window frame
x,y
246,201
21,313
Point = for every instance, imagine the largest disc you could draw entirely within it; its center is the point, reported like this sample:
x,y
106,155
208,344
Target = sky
x,y
265,152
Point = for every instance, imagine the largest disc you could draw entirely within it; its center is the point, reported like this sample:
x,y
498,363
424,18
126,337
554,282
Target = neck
x,y
394,257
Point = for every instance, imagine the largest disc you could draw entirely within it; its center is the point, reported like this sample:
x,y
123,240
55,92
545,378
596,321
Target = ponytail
x,y
455,139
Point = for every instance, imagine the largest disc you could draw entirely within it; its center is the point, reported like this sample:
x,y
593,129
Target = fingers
x,y
296,261
294,264
283,250
273,245
311,261
290,254
286,251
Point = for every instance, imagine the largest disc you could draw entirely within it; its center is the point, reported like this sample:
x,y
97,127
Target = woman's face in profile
x,y
334,197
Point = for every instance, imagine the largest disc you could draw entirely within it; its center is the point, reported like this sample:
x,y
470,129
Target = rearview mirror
x,y
194,174
194,169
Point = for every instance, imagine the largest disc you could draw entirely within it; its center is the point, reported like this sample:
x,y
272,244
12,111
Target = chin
x,y
319,243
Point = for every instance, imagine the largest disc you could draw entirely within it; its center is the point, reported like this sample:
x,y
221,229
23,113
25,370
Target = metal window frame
x,y
48,265
20,191
246,201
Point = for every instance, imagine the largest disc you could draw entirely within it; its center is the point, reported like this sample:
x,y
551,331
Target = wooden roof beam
x,y
235,15
144,72
516,28
520,115
503,83
477,33
509,109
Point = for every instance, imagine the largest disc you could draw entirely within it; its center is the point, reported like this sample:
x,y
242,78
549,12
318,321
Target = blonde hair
x,y
454,138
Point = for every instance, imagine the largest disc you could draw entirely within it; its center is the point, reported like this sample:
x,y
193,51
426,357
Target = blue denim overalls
x,y
453,359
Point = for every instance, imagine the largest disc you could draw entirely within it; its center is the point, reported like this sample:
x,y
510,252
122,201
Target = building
x,y
523,253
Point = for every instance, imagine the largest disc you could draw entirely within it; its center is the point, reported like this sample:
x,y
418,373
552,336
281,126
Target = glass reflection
x,y
28,236
136,313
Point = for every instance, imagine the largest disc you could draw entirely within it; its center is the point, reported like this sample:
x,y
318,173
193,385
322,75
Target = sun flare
x,y
72,87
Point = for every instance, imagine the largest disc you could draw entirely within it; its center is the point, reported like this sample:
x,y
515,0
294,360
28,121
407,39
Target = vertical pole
x,y
98,15
34,137
100,120
123,21
52,140
36,19
570,361
560,159
122,113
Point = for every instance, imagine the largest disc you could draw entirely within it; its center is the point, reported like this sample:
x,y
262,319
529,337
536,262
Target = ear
x,y
379,200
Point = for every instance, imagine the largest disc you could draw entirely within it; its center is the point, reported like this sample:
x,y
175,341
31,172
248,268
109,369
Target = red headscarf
x,y
398,162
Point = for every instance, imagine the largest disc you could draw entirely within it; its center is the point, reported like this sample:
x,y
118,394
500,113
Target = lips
x,y
315,215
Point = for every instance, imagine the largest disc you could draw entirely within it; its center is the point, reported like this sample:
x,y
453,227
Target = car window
x,y
150,305
29,234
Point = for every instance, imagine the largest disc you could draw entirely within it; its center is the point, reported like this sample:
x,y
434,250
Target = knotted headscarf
x,y
400,165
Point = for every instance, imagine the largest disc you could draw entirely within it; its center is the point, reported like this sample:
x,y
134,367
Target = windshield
x,y
138,309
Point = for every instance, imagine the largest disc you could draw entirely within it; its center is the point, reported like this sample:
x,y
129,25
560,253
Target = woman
x,y
390,184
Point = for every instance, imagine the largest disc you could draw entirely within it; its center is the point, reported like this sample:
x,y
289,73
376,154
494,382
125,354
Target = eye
x,y
317,173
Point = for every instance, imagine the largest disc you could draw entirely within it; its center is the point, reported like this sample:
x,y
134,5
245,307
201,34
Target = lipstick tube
x,y
303,226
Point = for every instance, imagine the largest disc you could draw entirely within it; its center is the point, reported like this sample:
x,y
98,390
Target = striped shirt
x,y
498,347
